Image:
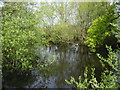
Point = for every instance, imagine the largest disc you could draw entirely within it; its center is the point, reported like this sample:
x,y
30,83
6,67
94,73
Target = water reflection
x,y
71,61
15,80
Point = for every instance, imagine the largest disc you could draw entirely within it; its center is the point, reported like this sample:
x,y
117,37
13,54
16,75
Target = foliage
x,y
118,21
102,28
26,25
89,11
80,83
112,59
63,34
18,37
66,21
108,77
85,83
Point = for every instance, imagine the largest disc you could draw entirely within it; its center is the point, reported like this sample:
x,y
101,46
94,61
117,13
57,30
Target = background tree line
x,y
26,25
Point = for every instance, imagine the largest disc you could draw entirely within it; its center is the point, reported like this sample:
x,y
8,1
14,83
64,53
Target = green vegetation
x,y
63,22
18,37
26,26
109,78
99,34
102,29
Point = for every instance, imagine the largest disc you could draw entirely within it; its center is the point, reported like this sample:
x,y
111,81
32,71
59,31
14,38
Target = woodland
x,y
27,26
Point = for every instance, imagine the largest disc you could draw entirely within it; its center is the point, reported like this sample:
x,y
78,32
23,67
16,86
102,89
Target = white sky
x,y
58,0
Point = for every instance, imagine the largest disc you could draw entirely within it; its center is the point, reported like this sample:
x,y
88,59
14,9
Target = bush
x,y
108,77
18,37
102,28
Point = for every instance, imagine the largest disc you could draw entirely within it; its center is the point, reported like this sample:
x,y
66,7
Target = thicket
x,y
28,25
109,77
18,37
66,22
104,30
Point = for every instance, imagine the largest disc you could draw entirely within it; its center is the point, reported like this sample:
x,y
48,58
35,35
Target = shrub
x,y
18,37
108,77
102,28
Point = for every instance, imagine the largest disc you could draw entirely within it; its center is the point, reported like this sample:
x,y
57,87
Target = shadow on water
x,y
69,61
15,80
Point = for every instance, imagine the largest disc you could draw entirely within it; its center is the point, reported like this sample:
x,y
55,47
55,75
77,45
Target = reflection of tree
x,y
90,60
18,80
71,63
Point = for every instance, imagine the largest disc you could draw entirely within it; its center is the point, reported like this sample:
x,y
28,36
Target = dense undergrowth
x,y
109,77
103,31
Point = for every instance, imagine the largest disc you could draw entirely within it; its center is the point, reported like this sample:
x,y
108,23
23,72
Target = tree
x,y
118,21
18,31
88,12
102,28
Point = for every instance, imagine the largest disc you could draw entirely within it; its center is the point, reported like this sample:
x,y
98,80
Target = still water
x,y
68,61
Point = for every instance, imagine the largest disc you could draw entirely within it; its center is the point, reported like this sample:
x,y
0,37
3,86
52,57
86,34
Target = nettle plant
x,y
109,78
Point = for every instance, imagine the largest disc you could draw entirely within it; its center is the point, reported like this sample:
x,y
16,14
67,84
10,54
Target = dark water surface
x,y
69,61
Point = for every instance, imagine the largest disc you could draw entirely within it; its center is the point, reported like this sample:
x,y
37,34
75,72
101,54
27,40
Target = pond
x,y
68,61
